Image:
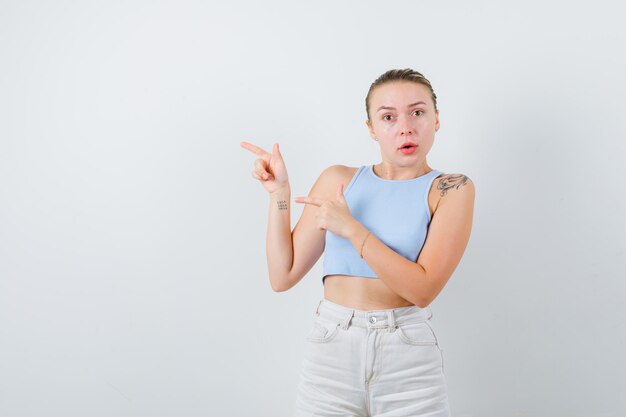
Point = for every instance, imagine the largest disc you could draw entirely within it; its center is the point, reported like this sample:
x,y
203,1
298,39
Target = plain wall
x,y
133,277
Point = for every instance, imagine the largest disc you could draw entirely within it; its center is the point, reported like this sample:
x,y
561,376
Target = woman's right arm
x,y
279,243
290,255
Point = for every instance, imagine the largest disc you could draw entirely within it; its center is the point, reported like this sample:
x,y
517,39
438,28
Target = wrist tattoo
x,y
451,181
282,204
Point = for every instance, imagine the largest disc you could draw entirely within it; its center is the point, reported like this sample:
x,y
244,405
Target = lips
x,y
407,144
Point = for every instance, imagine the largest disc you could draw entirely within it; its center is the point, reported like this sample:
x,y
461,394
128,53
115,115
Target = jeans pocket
x,y
417,334
441,354
437,344
324,330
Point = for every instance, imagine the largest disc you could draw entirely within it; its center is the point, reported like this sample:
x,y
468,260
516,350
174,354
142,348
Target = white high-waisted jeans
x,y
377,363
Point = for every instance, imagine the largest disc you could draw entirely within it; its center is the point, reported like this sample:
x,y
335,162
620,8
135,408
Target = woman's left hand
x,y
333,215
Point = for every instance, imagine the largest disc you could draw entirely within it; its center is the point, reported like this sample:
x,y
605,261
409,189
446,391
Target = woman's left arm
x,y
448,234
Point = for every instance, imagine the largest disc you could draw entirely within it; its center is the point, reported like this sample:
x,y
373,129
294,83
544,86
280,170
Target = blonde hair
x,y
406,74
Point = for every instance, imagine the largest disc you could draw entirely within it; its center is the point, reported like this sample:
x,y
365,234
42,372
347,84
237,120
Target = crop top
x,y
395,211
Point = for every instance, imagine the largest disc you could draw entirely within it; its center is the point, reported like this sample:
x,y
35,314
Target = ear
x,y
437,120
371,128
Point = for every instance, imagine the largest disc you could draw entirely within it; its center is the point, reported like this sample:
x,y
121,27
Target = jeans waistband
x,y
385,318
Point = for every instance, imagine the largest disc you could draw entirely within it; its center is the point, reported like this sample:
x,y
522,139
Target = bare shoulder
x,y
453,188
333,175
339,171
448,182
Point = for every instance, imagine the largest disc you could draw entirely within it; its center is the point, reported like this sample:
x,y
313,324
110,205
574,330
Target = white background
x,y
133,277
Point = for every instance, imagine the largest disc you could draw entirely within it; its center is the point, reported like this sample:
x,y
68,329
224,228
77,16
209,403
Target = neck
x,y
388,171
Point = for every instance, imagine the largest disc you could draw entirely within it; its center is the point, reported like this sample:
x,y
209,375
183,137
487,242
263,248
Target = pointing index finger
x,y
253,148
309,200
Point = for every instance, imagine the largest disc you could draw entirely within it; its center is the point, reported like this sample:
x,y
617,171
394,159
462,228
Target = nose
x,y
405,128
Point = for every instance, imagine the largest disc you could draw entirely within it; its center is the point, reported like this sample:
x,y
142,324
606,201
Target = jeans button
x,y
372,319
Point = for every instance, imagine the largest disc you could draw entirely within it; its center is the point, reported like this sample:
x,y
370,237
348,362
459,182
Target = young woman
x,y
391,240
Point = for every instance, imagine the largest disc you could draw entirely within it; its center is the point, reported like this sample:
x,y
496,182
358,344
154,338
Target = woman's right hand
x,y
269,168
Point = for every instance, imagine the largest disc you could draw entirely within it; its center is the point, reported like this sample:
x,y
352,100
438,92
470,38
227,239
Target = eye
x,y
418,111
386,116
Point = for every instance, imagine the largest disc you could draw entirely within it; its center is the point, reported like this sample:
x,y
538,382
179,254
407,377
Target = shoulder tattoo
x,y
451,181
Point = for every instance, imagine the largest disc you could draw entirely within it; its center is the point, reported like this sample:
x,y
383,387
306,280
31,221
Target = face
x,y
397,119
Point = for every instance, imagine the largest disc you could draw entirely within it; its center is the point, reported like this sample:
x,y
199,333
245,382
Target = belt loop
x,y
392,320
346,322
317,309
430,312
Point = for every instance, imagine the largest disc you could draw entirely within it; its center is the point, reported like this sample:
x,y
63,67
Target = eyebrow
x,y
393,108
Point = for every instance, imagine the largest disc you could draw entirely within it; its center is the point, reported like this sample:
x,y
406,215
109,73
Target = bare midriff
x,y
361,293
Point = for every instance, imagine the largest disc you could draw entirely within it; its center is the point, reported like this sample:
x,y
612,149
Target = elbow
x,y
421,302
280,285
276,287
421,296
425,297
418,300
285,281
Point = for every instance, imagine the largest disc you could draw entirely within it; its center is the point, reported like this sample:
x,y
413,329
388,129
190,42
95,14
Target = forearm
x,y
279,244
406,278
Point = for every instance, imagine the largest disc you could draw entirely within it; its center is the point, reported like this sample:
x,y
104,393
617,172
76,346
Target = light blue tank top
x,y
395,211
